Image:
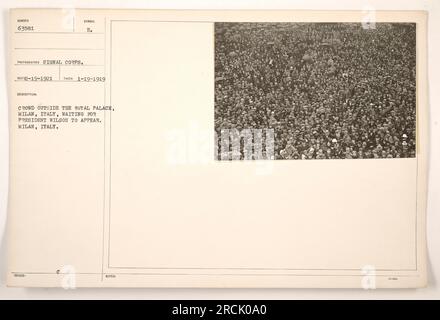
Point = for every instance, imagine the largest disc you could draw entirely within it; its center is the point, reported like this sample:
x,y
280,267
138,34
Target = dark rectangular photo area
x,y
315,91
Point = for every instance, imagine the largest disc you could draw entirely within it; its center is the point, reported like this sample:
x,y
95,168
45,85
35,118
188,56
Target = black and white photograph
x,y
156,150
318,90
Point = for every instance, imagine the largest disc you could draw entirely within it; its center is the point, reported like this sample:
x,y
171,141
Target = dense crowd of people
x,y
328,90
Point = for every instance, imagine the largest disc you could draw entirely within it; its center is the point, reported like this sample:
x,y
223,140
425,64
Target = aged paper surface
x,y
114,182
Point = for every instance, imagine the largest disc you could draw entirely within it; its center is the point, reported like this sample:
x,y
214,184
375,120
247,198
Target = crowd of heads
x,y
328,90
